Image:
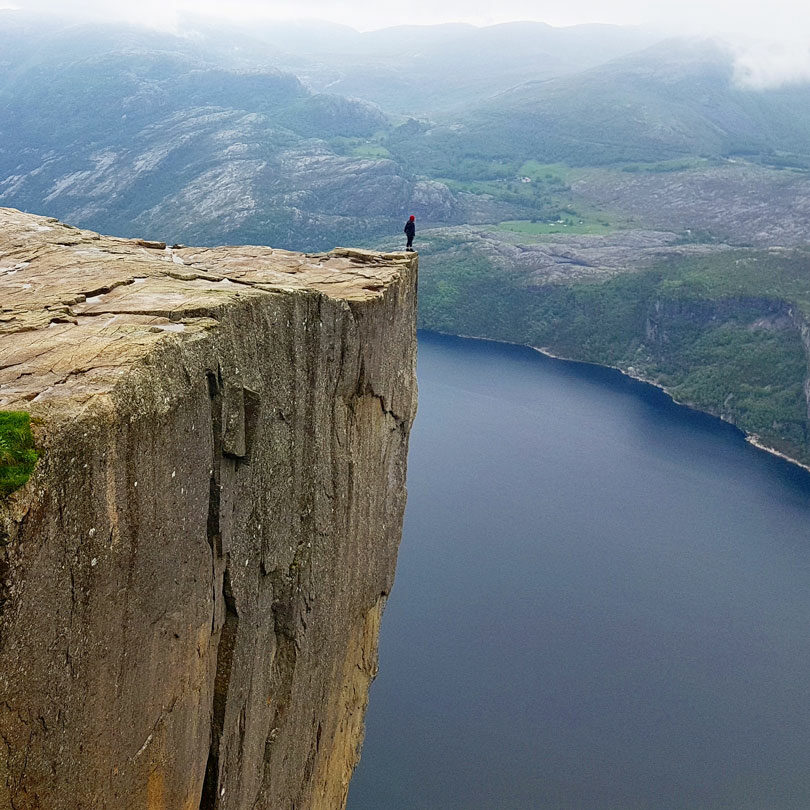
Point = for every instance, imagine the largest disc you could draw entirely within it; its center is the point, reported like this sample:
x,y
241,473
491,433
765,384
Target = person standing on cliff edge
x,y
410,230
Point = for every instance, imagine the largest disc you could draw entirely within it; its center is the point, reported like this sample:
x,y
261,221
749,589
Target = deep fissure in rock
x,y
225,655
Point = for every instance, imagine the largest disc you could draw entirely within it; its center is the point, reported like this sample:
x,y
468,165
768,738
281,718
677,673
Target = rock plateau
x,y
192,580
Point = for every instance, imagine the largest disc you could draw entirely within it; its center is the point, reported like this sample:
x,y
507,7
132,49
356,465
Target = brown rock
x,y
192,580
153,245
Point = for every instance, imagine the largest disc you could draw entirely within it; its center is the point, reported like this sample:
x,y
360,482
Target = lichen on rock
x,y
191,581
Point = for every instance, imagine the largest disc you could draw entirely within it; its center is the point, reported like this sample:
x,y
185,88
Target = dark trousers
x,y
409,246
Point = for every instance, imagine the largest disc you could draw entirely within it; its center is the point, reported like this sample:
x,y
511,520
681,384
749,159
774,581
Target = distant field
x,y
550,172
370,150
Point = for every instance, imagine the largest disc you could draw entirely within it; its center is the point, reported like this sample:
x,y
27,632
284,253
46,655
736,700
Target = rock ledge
x,y
192,580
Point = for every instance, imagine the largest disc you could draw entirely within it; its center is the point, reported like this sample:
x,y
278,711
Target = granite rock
x,y
192,580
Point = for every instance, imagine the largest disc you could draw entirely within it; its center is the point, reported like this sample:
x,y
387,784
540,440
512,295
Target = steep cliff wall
x,y
193,578
804,330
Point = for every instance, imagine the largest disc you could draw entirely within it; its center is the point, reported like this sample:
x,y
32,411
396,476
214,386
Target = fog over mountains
x,y
304,135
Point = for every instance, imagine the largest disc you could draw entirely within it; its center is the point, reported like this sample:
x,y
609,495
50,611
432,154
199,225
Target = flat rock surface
x,y
559,258
76,307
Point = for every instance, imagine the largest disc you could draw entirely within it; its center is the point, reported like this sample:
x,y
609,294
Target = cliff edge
x,y
191,581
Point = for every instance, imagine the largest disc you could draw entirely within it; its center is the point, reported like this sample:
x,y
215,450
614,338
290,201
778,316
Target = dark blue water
x,y
602,601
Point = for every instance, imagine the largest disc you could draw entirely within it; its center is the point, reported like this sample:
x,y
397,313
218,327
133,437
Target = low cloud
x,y
757,65
152,13
766,65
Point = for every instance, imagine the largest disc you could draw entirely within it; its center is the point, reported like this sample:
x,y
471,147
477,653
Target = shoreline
x,y
751,438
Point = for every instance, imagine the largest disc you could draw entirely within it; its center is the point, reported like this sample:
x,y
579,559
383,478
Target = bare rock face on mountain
x,y
192,580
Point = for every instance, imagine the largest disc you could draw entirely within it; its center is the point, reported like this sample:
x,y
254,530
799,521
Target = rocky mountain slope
x,y
123,140
191,581
204,138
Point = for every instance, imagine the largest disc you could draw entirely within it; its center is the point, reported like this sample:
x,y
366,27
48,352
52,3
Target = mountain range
x,y
297,135
601,191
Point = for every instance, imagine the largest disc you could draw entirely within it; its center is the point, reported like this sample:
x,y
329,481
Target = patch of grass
x,y
370,150
541,198
554,173
18,456
371,147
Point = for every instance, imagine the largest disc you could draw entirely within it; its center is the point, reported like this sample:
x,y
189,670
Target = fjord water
x,y
602,601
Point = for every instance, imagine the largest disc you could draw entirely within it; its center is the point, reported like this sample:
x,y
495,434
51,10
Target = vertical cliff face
x,y
191,583
804,330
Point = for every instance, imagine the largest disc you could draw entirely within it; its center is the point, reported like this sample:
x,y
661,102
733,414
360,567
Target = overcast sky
x,y
770,38
789,19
